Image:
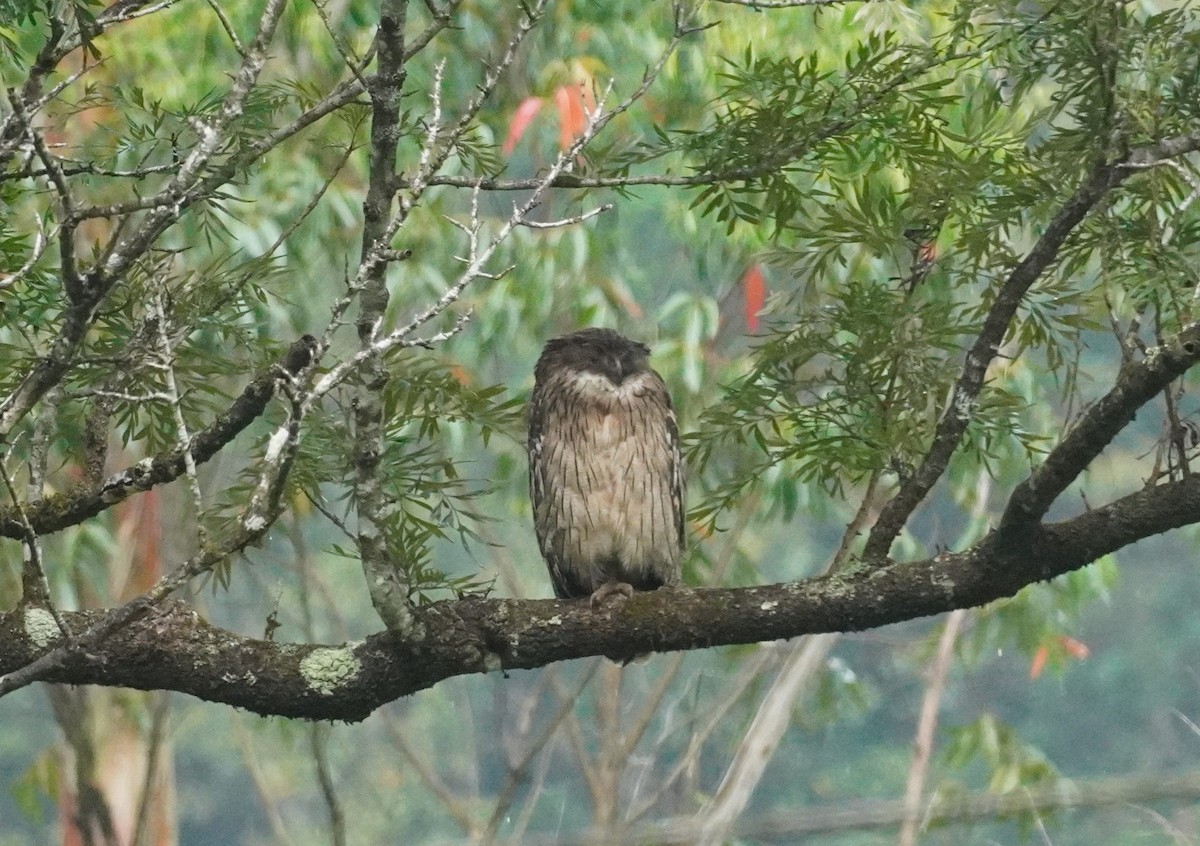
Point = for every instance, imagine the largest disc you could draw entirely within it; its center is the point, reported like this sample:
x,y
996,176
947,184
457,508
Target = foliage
x,y
889,166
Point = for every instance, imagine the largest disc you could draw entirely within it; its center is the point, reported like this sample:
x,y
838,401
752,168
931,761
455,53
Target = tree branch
x,y
87,500
1103,177
1137,383
168,646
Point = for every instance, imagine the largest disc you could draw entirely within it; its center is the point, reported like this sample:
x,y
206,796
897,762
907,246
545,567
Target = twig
x,y
318,737
352,62
66,205
517,773
88,499
926,726
35,587
227,25
160,700
39,249
183,438
253,764
452,804
1137,383
567,221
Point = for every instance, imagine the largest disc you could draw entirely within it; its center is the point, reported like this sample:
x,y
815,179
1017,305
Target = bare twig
x,y
155,741
517,773
253,763
166,364
455,806
318,734
39,249
1137,383
90,498
567,221
227,25
926,726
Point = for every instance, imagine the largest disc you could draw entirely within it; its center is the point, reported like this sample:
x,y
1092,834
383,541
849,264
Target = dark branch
x,y
1137,383
1103,177
87,500
171,647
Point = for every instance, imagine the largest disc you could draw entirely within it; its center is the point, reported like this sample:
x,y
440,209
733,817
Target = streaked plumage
x,y
605,474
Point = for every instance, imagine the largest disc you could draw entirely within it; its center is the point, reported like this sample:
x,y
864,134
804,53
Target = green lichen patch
x,y
41,627
326,669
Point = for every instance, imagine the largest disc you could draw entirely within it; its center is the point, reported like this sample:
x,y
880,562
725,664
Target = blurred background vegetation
x,y
1091,676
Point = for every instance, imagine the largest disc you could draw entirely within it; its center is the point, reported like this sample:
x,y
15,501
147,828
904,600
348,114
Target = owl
x,y
605,475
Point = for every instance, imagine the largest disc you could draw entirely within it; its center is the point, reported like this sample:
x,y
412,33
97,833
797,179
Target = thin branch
x,y
567,221
40,242
762,738
441,19
75,168
926,726
227,25
353,63
253,763
157,739
452,804
66,204
166,364
517,773
799,824
318,734
748,672
129,10
35,588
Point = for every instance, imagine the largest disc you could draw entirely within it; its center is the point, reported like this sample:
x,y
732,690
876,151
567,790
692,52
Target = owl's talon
x,y
607,589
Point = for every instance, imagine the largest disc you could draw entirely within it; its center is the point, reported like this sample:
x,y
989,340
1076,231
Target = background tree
x,y
266,265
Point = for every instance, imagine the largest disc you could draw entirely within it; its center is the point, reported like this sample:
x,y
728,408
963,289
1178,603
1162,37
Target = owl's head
x,y
602,352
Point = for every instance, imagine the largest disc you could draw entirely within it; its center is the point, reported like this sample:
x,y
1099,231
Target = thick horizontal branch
x,y
172,648
83,501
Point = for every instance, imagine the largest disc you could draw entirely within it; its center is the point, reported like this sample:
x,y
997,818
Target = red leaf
x,y
572,117
1039,662
754,295
1077,649
521,119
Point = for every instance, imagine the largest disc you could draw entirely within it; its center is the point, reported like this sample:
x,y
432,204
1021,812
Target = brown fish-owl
x,y
605,474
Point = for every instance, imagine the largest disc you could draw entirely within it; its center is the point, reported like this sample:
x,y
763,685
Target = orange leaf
x,y
754,295
1039,662
1075,648
521,119
572,117
460,374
